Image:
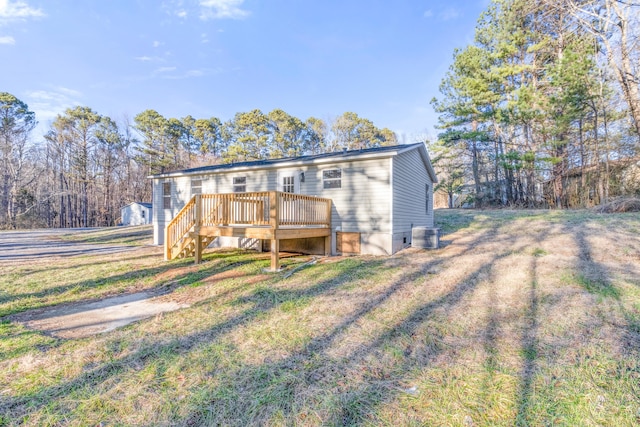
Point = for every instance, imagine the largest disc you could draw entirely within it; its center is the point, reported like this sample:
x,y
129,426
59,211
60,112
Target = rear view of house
x,y
373,197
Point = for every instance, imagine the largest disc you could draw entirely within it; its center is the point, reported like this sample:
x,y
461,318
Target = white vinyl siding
x,y
257,180
412,193
362,202
179,196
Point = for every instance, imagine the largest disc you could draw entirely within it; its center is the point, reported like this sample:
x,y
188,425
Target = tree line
x,y
543,108
89,165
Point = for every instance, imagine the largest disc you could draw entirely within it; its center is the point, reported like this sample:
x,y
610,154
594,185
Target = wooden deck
x,y
270,215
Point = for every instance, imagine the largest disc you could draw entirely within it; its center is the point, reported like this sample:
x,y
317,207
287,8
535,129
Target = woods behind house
x,y
542,109
88,165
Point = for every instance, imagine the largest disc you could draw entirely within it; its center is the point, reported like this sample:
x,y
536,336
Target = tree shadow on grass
x,y
82,262
21,405
529,349
214,263
596,279
312,377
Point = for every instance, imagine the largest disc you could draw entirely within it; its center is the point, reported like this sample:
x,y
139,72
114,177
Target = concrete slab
x,y
83,320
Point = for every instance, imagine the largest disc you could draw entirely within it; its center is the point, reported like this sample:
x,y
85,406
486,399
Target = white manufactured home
x,y
362,201
136,213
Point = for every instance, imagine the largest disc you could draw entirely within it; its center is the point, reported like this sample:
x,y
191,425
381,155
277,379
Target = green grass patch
x,y
598,286
16,340
538,252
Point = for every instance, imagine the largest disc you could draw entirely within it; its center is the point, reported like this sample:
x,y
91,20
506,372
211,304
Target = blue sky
x,y
383,60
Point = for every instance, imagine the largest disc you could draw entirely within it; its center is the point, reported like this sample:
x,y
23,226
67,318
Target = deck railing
x,y
274,209
235,209
179,226
301,210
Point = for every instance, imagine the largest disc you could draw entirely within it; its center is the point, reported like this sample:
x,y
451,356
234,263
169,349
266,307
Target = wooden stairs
x,y
186,247
269,215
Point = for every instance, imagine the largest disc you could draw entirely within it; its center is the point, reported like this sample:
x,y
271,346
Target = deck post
x,y
167,248
274,216
196,230
275,254
225,209
327,240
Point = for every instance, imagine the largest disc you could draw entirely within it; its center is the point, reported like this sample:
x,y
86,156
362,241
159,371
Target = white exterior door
x,y
289,182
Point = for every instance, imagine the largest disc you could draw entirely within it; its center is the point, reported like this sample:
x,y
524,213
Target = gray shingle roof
x,y
342,155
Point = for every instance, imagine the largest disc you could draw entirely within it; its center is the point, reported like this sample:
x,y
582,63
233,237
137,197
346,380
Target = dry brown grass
x,y
521,318
626,204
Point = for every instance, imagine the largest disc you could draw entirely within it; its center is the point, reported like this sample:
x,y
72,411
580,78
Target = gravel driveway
x,y
79,319
34,244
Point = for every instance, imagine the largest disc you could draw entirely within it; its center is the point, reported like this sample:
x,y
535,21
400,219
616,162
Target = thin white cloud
x,y
194,73
168,73
449,14
68,92
204,38
428,13
157,43
15,12
164,70
47,104
222,9
19,10
181,13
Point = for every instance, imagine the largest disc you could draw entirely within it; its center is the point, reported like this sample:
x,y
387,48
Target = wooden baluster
x,y
196,231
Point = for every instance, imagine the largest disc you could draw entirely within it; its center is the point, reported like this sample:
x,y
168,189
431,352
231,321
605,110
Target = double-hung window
x,y
239,184
332,178
166,195
196,186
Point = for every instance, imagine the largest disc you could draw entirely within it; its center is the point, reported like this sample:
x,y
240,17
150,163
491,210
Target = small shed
x,y
136,213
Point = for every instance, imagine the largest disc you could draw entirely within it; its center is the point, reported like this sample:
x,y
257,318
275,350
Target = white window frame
x,y
332,180
240,184
196,189
166,195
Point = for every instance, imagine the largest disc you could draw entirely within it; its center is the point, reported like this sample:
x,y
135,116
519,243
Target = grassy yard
x,y
521,318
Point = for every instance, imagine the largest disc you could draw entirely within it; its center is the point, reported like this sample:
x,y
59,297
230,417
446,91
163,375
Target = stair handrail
x,y
179,226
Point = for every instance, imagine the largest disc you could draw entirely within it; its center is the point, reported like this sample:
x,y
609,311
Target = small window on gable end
x,y
332,178
166,195
239,184
196,186
143,213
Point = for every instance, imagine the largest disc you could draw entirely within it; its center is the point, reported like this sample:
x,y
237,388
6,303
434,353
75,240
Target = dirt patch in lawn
x,y
86,319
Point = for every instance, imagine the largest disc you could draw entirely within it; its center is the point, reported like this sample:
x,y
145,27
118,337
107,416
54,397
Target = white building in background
x,y
136,213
